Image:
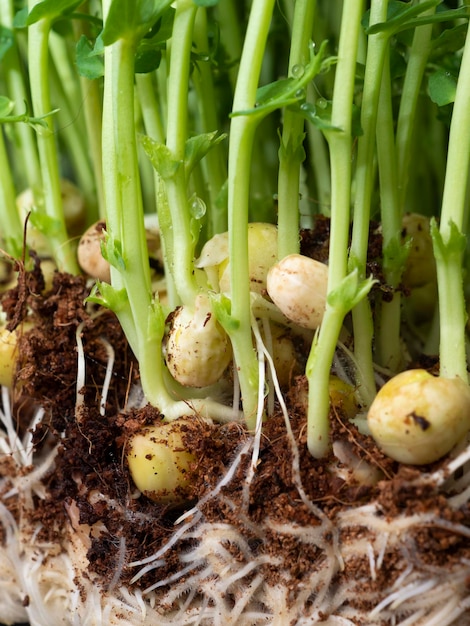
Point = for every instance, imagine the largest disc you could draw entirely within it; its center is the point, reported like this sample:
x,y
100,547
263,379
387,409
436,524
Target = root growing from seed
x,y
222,576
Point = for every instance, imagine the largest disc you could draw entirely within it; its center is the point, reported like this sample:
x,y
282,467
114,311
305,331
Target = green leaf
x,y
449,41
453,248
156,321
442,86
111,250
319,114
349,292
132,19
395,254
160,156
288,91
51,9
45,224
407,17
206,3
89,59
222,308
107,296
6,40
6,107
197,147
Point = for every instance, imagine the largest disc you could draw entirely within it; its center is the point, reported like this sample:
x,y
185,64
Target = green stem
x,y
181,250
92,108
388,339
242,133
415,67
150,107
214,162
38,53
291,153
26,164
449,265
340,142
364,179
12,230
75,140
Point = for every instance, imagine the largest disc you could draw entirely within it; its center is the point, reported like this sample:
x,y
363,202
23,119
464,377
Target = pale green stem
x,y
214,163
242,133
364,180
38,53
92,108
27,169
150,107
181,250
388,339
415,67
291,153
449,267
11,232
319,163
340,142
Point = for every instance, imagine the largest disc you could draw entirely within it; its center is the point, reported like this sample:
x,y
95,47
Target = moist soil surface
x,y
92,451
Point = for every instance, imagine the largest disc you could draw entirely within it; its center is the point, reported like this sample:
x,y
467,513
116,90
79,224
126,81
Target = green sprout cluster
x,y
213,115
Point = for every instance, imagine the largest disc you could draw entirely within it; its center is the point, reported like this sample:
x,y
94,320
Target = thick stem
x,y
27,169
340,142
239,165
38,53
181,250
388,339
12,231
415,67
449,266
291,153
213,166
364,179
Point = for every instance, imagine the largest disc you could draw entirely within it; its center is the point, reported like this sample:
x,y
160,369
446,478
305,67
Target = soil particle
x,y
91,474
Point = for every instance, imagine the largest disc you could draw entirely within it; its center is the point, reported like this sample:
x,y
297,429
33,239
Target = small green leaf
x,y
319,116
156,321
89,59
107,296
51,9
222,307
197,147
161,157
349,292
449,41
6,107
111,250
147,60
6,40
288,91
442,86
395,254
132,19
45,224
408,17
453,248
206,3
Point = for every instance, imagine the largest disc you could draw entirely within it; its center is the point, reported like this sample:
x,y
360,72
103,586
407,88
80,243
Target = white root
x,y
210,587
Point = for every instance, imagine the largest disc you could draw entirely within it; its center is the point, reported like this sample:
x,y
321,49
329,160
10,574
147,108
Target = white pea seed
x,y
262,253
298,285
159,463
417,418
89,254
198,349
420,267
9,352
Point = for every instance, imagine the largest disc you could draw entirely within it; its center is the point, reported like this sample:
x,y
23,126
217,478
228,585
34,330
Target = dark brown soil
x,y
93,449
